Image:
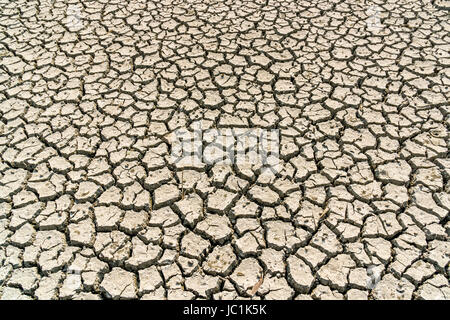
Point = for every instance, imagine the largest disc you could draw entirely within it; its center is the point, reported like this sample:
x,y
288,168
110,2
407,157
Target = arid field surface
x,y
121,122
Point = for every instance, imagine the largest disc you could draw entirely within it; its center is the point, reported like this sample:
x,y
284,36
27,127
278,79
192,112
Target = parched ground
x,y
92,205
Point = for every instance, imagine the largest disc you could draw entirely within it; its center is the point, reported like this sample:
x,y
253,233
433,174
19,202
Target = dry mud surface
x,y
93,207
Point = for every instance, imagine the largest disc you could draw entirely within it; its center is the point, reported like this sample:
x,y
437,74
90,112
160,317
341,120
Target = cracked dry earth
x,y
91,206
